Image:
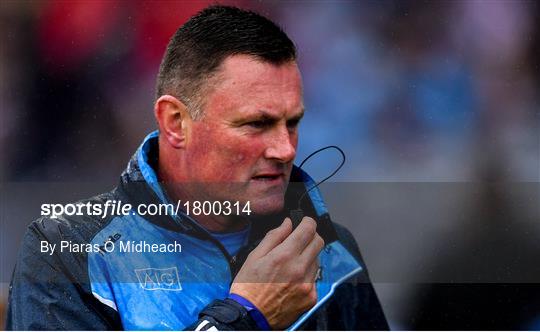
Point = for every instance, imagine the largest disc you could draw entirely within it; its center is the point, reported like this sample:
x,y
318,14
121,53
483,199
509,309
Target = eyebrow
x,y
265,115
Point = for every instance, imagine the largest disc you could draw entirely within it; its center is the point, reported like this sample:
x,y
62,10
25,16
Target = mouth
x,y
268,177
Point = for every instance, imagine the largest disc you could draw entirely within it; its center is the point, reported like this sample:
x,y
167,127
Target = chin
x,y
268,205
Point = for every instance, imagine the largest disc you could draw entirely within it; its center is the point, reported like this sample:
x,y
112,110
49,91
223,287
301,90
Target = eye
x,y
258,124
292,124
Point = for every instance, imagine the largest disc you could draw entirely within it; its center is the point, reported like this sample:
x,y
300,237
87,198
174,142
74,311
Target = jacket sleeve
x,y
224,315
49,292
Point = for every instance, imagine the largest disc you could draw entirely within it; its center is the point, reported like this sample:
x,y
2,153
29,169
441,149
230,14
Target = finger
x,y
311,252
300,237
273,238
312,272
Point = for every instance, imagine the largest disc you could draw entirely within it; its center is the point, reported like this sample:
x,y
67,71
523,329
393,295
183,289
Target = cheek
x,y
294,139
222,157
238,156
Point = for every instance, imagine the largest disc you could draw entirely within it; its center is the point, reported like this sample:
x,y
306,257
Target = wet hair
x,y
198,48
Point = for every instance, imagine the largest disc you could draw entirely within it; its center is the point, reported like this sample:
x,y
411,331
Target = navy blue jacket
x,y
101,290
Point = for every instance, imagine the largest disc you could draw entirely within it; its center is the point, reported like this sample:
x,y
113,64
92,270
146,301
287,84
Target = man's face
x,y
243,147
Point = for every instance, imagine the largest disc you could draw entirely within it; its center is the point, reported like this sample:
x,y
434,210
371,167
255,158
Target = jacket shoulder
x,y
355,305
79,224
348,241
46,278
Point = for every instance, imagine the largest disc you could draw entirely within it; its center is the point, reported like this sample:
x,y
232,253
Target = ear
x,y
173,119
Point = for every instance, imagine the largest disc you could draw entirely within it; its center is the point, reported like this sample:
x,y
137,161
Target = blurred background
x,y
436,104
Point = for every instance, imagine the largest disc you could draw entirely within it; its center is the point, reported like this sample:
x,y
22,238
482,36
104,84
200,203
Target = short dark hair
x,y
198,48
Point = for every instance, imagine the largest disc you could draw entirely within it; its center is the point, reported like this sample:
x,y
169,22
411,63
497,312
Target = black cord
x,y
326,178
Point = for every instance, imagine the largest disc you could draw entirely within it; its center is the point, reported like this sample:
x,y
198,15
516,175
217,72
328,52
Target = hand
x,y
279,274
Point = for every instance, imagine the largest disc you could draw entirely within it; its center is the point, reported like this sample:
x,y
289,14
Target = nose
x,y
282,145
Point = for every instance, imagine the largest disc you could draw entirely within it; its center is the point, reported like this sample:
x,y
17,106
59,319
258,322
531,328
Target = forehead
x,y
245,84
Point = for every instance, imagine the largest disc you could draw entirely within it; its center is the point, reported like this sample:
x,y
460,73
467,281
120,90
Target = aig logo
x,y
159,279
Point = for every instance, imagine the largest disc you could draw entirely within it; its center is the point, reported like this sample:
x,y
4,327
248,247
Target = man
x,y
228,105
